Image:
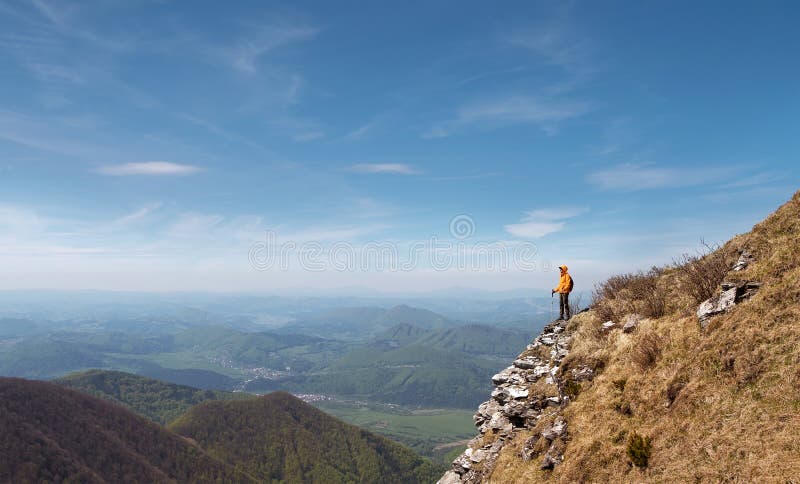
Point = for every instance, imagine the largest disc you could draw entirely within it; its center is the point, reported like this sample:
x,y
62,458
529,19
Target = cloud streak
x,y
150,168
384,168
547,114
541,222
630,177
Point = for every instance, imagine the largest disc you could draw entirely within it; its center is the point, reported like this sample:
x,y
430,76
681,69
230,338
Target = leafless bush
x,y
639,292
646,351
700,275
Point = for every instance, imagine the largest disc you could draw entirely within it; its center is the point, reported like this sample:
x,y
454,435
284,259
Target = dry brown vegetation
x,y
718,404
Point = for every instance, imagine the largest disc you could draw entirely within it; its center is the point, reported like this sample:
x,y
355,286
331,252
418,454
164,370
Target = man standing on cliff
x,y
563,290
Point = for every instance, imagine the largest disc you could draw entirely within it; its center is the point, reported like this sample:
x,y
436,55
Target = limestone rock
x,y
527,362
463,462
582,373
478,456
550,460
558,429
630,322
607,326
732,294
745,259
500,422
517,392
449,477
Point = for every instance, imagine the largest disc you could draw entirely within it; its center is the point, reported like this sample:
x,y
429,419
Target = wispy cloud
x,y
244,54
629,177
547,114
138,215
538,223
359,132
308,136
154,168
388,168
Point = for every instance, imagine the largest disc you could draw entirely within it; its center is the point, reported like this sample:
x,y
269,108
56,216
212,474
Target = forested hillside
x,y
54,434
279,437
159,401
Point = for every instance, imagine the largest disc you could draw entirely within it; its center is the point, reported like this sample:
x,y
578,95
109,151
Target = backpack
x,y
571,283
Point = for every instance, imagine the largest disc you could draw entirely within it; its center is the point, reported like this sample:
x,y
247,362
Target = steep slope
x,y
683,373
53,434
159,401
279,437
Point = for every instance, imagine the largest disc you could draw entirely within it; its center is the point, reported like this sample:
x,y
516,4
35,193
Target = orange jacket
x,y
565,282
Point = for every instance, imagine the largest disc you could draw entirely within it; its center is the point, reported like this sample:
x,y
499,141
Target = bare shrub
x,y
646,350
700,275
636,292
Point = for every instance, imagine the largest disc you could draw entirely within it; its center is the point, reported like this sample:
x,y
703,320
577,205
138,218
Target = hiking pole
x,y
551,306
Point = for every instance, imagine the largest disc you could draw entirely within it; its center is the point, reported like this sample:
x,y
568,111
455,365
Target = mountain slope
x,y
51,433
683,373
159,401
279,437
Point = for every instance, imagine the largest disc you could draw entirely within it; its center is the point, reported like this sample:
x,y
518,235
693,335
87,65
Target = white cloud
x,y
244,55
547,114
389,168
533,230
148,168
540,222
139,214
629,177
359,132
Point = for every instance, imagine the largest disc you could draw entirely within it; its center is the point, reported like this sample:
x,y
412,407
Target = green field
x,y
433,433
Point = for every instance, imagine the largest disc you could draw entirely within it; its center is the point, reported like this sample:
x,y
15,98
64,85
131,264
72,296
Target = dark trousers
x,y
564,304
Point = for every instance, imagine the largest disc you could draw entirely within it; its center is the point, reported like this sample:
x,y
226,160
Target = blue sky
x,y
148,145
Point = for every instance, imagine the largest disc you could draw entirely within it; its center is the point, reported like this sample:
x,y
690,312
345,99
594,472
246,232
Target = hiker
x,y
563,290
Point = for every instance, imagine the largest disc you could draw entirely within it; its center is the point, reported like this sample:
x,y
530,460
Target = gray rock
x,y
449,477
500,422
527,362
553,401
745,259
517,392
630,322
478,456
550,460
528,451
463,463
541,371
547,340
558,429
732,294
582,373
515,408
607,326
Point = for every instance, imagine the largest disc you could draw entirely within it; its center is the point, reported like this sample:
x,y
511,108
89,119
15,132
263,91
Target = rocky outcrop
x,y
732,293
518,403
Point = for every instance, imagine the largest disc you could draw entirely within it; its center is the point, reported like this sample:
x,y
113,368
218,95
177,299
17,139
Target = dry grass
x,y
720,404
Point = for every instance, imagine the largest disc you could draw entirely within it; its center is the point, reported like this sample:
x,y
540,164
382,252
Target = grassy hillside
x,y
159,401
673,401
411,375
431,433
279,437
54,434
474,339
